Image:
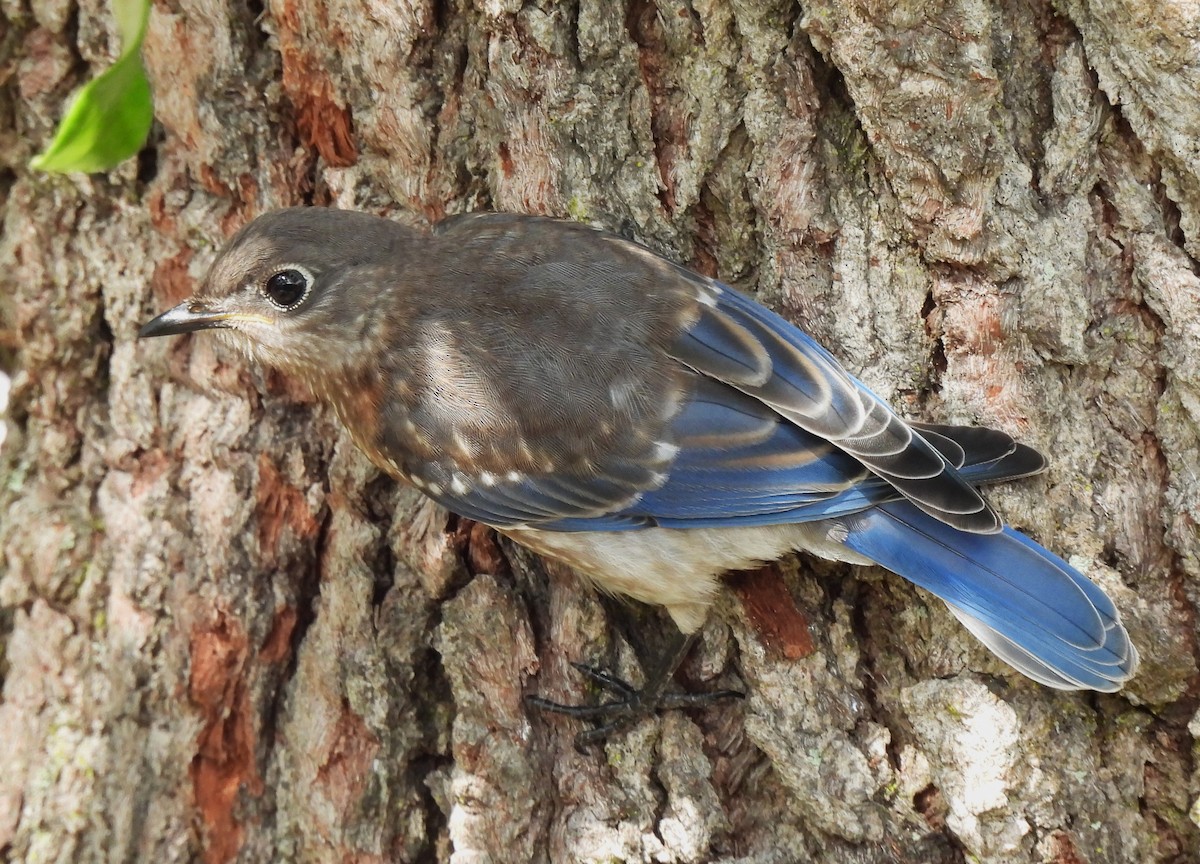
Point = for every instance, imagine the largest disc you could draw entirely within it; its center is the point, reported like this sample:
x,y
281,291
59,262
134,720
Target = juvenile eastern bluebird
x,y
648,426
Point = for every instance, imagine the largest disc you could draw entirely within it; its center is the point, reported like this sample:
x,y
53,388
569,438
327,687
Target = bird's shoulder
x,y
540,372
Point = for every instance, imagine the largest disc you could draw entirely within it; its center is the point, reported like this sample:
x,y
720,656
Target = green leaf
x,y
109,119
107,122
131,17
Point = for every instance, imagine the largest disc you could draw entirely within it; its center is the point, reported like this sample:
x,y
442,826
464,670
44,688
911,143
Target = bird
x,y
651,427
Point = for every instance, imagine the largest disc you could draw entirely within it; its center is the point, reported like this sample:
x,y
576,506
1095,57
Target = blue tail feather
x,y
1024,602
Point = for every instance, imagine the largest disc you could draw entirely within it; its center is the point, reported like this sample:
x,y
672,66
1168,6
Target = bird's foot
x,y
629,706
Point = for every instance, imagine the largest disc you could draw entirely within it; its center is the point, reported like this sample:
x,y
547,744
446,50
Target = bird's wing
x,y
726,458
770,429
740,464
732,461
750,348
565,500
1029,606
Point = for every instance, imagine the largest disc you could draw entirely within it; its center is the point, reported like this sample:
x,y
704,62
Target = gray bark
x,y
228,638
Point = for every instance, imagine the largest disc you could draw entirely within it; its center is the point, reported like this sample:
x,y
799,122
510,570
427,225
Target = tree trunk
x,y
228,637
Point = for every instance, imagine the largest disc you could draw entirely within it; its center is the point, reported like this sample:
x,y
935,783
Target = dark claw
x,y
607,680
582,712
597,735
675,701
630,705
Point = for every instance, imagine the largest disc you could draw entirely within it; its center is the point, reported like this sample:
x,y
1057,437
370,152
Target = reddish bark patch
x,y
704,259
248,188
292,389
347,767
1063,849
47,62
327,127
772,612
224,763
323,124
212,182
668,126
162,220
277,647
477,543
279,506
931,805
146,470
170,283
506,160
236,216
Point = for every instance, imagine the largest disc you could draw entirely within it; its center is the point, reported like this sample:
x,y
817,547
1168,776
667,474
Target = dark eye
x,y
288,287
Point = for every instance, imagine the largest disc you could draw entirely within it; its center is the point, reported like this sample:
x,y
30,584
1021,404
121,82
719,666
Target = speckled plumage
x,y
649,426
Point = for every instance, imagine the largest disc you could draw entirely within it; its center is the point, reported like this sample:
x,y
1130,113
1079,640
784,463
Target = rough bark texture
x,y
227,638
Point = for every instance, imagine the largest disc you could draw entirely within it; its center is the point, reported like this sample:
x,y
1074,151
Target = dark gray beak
x,y
187,317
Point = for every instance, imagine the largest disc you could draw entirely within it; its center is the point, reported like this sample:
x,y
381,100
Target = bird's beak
x,y
187,317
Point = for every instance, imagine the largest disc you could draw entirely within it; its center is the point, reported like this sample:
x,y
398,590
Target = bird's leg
x,y
632,704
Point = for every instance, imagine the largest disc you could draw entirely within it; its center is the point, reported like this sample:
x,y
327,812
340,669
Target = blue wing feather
x,y
740,465
743,344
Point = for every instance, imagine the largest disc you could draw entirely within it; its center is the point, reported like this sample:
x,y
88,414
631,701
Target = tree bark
x,y
228,638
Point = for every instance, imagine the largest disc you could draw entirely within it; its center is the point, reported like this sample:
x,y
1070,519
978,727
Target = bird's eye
x,y
287,288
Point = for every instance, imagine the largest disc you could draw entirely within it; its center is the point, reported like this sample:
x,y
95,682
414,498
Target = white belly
x,y
678,568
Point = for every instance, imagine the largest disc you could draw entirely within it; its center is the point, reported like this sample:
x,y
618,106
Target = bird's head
x,y
296,289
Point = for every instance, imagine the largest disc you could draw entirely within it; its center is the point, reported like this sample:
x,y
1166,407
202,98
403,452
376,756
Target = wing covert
x,y
745,345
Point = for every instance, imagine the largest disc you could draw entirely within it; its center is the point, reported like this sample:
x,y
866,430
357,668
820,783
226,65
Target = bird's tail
x,y
1030,607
